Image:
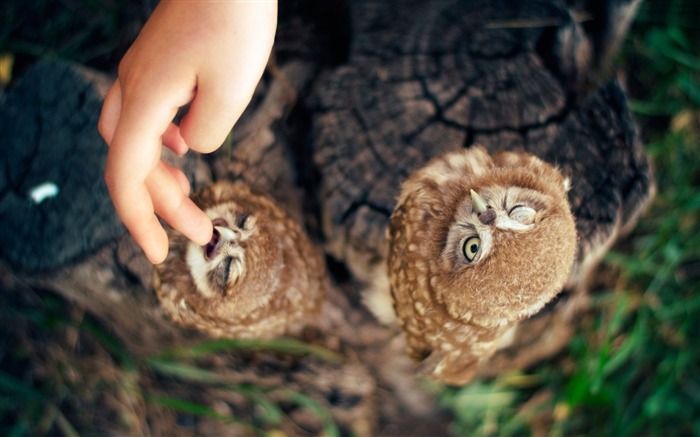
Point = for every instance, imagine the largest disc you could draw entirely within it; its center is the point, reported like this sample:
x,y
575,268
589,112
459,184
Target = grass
x,y
633,368
62,372
93,32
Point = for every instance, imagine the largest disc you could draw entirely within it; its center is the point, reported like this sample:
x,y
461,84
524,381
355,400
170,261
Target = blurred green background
x,y
633,368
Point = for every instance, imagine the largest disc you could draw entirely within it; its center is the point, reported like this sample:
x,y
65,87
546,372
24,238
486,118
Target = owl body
x,y
476,244
259,277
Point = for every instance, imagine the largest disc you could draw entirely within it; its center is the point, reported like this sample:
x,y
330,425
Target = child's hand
x,y
209,53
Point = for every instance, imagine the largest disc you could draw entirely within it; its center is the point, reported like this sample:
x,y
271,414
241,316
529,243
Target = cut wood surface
x,y
332,145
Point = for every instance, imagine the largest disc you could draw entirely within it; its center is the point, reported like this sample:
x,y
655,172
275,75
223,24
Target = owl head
x,y
241,263
240,283
477,243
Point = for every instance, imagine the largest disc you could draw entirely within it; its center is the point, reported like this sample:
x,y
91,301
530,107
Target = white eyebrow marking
x,y
508,224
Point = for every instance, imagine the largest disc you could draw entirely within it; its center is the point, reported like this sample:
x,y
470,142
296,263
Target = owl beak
x,y
220,235
478,202
226,233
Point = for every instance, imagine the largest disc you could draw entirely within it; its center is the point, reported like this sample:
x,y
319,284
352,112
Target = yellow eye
x,y
471,248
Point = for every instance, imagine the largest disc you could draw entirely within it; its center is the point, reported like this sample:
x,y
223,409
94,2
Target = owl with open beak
x,y
260,276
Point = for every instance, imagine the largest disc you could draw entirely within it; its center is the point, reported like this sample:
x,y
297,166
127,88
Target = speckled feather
x,y
454,313
283,280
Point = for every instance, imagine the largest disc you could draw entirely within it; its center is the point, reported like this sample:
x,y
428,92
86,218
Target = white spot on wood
x,y
43,191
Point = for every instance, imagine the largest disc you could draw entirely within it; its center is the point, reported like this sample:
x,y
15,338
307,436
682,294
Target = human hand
x,y
211,54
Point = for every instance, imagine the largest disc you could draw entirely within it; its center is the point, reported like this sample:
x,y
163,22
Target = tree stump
x,y
414,79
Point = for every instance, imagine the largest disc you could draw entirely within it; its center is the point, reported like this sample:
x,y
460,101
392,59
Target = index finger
x,y
133,155
125,190
126,170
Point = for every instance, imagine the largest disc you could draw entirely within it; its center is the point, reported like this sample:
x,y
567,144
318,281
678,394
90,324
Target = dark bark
x,y
429,77
414,79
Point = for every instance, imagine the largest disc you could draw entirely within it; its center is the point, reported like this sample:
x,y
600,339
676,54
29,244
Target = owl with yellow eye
x,y
477,243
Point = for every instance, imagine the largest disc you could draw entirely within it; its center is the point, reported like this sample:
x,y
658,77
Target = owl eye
x,y
242,219
226,270
471,248
523,214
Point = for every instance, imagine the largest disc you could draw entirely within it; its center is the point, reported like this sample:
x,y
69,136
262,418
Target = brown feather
x,y
279,288
455,311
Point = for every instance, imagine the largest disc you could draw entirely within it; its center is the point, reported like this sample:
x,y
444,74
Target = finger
x,y
133,154
176,208
181,178
109,117
174,141
138,216
222,93
211,116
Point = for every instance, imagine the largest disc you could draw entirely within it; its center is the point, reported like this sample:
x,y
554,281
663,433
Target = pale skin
x,y
207,53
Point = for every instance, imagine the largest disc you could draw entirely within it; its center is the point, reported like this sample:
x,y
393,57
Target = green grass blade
x,y
196,410
20,389
186,372
282,345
